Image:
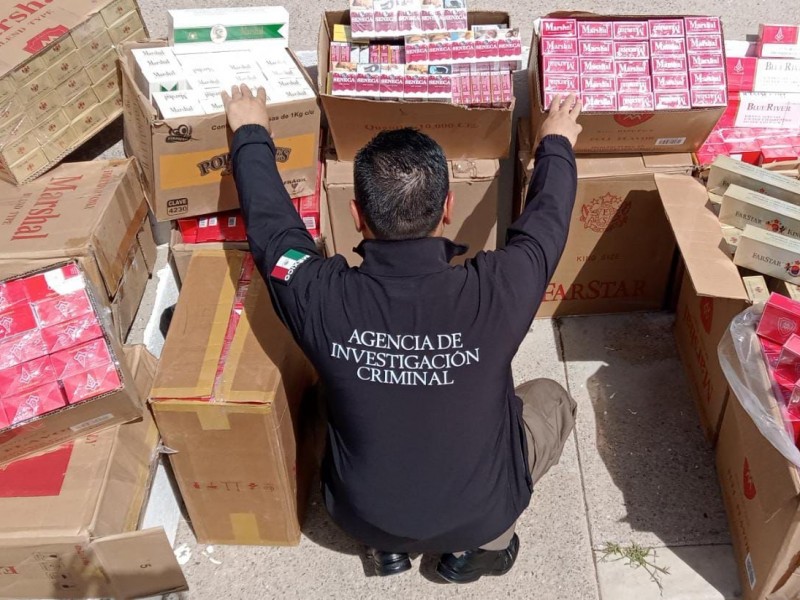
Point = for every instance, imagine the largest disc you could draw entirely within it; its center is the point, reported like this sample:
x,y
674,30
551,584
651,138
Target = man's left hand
x,y
244,108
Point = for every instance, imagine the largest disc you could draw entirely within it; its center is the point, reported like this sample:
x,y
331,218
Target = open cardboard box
x,y
474,133
613,132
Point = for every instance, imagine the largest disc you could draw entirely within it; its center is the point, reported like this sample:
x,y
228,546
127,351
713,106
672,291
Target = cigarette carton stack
x,y
55,100
431,54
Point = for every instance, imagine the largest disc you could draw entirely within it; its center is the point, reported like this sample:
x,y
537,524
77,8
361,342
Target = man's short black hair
x,y
401,184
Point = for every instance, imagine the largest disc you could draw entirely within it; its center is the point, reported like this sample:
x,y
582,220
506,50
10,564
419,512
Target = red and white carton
x,y
343,79
362,21
559,28
16,320
560,46
497,88
669,63
597,66
702,25
709,97
71,333
632,68
562,84
781,319
91,383
440,48
80,358
63,308
713,78
13,292
778,34
462,46
704,43
34,403
392,83
385,21
487,41
510,44
562,65
55,282
771,154
788,366
455,81
465,80
455,18
771,351
598,83
432,18
631,50
439,85
671,81
22,348
368,80
634,85
706,60
35,373
409,18
741,73
597,30
596,48
635,102
601,102
486,88
672,100
666,28
507,87
4,422
631,30
417,48
667,46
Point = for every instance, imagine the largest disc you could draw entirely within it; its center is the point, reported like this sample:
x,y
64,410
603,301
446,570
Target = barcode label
x,y
231,221
310,222
212,222
203,223
751,572
670,141
92,422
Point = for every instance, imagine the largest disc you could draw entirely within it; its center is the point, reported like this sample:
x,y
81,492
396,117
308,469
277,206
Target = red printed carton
x,y
704,43
668,46
635,102
71,333
634,85
55,282
631,50
33,403
561,84
91,383
672,100
80,358
631,30
34,373
601,102
596,66
595,30
22,348
708,97
63,308
632,68
16,320
780,320
560,28
669,63
11,293
560,46
706,60
563,65
598,83
596,48
666,28
671,81
702,25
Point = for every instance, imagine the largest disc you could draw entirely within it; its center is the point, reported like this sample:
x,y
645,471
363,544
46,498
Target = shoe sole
x,y
453,577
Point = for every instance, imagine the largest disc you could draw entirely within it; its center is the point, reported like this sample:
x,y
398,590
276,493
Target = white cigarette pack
x,y
221,29
174,105
769,253
211,101
741,207
727,171
157,70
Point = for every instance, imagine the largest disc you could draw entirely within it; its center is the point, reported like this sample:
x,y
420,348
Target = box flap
x,y
189,361
139,564
699,237
340,172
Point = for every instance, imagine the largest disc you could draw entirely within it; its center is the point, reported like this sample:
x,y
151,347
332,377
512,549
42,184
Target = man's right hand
x,y
563,119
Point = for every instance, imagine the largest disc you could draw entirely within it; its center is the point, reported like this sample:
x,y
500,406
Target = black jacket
x,y
426,449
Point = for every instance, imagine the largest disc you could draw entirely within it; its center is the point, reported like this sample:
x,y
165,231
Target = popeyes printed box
x,y
620,250
58,77
607,128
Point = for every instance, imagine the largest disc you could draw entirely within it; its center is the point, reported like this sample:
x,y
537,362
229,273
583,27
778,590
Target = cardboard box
x,y
480,133
69,517
475,184
620,250
644,131
94,212
712,293
243,463
186,161
43,68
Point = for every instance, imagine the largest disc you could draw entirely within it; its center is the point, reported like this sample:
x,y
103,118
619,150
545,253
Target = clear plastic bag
x,y
746,371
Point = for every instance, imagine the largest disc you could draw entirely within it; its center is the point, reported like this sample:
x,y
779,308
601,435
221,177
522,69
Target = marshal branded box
x,y
58,84
186,160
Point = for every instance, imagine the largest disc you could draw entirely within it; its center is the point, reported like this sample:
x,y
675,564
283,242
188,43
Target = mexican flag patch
x,y
287,265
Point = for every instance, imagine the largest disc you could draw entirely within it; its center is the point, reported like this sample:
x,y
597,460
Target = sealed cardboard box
x,y
231,408
620,250
69,517
186,161
51,54
462,132
474,183
640,129
95,212
712,293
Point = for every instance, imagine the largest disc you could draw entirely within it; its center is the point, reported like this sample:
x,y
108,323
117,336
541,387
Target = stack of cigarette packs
x,y
470,67
53,352
779,41
634,66
371,19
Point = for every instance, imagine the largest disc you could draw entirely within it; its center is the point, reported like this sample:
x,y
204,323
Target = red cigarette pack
x,y
362,21
598,83
368,80
564,65
704,43
439,48
562,84
4,422
788,366
510,43
559,28
33,403
674,100
188,227
432,19
596,48
713,78
508,88
344,82
773,154
560,46
80,358
486,88
465,86
771,351
635,102
778,34
666,28
631,30
748,151
780,320
702,25
597,66
600,102
55,282
456,90
669,63
13,292
706,60
63,308
632,68
22,348
595,30
634,85
392,81
385,21
417,48
741,73
705,97
91,383
32,374
409,19
631,50
71,333
463,45
667,46
455,19
497,88
16,320
671,81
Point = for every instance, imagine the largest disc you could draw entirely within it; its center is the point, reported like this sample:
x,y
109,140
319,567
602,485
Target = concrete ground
x,y
637,469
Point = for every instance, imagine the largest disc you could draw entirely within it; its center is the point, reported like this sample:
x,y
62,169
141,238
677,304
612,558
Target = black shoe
x,y
388,563
474,564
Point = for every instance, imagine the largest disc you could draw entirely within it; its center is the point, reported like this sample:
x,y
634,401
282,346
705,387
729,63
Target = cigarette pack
x,y
417,49
32,374
173,105
455,81
769,253
596,48
779,41
487,41
600,102
462,46
785,289
508,88
713,78
67,65
102,66
392,81
416,82
631,50
211,101
465,88
86,31
16,320
223,29
666,28
455,18
704,43
440,48
726,171
634,85
439,85
672,81
594,66
642,102
672,100
22,348
771,154
285,89
486,88
510,44
91,383
62,308
362,18
706,60
409,17
781,319
595,30
776,75
631,30
559,46
702,25
756,287
770,349
35,86
564,65
668,46
741,207
432,18
343,79
562,84
385,21
78,105
368,80
12,292
71,333
669,63
706,97
598,83
33,403
80,358
559,28
745,150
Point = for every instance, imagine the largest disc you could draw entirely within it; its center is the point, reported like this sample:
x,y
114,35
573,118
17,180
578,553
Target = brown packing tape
x,y
245,528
